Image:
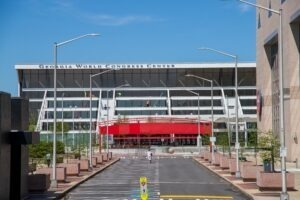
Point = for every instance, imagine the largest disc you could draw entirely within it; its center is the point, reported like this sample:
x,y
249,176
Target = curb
x,y
63,193
238,187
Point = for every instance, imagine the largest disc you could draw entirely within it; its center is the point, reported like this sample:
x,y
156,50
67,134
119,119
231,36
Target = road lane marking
x,y
196,196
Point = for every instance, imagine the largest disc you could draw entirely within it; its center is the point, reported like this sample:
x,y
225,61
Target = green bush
x,y
43,148
59,159
205,139
252,138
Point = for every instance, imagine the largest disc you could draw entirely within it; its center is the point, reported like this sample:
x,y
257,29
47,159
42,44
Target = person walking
x,y
149,155
48,159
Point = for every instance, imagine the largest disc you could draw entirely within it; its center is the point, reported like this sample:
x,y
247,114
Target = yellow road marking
x,y
196,196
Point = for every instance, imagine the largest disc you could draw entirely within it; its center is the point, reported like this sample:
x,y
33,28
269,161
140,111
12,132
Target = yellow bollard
x,y
143,188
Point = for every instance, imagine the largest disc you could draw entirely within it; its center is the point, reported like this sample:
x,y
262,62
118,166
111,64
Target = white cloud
x,y
244,8
111,20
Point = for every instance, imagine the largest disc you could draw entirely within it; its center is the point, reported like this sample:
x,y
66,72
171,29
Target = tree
x,y
32,122
222,140
269,145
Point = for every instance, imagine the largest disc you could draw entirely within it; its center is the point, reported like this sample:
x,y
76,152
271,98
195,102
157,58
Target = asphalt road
x,y
168,178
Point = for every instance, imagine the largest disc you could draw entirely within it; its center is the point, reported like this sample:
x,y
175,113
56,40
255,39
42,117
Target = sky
x,y
131,31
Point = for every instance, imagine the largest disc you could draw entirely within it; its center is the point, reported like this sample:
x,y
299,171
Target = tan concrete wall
x,y
290,68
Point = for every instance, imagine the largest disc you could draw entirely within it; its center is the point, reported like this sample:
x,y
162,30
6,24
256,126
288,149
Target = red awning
x,y
152,128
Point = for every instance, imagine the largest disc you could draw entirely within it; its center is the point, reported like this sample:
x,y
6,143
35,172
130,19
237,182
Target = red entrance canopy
x,y
156,128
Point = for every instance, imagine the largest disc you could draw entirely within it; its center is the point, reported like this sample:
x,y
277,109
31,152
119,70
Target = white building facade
x,y
152,90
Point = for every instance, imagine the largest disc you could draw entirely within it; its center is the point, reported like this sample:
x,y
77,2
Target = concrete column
x,y
19,152
5,150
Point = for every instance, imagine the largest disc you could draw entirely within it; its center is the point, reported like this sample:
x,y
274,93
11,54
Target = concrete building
x,y
157,93
268,73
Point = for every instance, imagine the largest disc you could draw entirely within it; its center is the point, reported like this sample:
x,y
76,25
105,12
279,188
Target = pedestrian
x,y
149,155
48,159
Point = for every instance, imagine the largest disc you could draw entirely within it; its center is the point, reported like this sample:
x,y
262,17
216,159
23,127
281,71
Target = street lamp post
x,y
283,195
228,129
198,127
56,45
90,139
212,113
237,144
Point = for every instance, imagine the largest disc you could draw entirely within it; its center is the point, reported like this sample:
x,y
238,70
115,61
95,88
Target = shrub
x,y
269,145
43,148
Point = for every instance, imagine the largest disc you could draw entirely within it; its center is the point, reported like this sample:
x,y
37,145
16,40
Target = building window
x,y
282,1
270,7
258,21
275,86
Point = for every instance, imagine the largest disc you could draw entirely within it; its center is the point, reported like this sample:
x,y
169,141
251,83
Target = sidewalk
x,y
72,182
250,188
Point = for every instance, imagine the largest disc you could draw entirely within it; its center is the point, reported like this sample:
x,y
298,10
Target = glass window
x,y
258,21
249,111
270,7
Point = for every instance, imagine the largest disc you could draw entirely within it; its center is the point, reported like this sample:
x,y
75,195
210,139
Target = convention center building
x,y
146,103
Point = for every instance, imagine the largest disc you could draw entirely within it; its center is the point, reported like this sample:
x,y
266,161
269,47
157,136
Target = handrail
x,y
99,110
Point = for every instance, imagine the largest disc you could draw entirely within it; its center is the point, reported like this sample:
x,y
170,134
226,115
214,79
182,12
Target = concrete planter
x,y
104,157
232,165
38,182
109,155
94,161
217,159
202,154
84,163
61,173
224,162
272,181
207,156
249,170
99,158
73,169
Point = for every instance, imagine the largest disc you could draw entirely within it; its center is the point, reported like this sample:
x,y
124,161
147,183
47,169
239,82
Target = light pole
x,y
56,45
228,129
199,134
283,195
107,115
213,139
237,144
90,139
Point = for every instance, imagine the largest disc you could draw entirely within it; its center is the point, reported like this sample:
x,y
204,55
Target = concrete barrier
x,y
84,163
61,173
249,170
73,169
272,181
224,162
38,182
